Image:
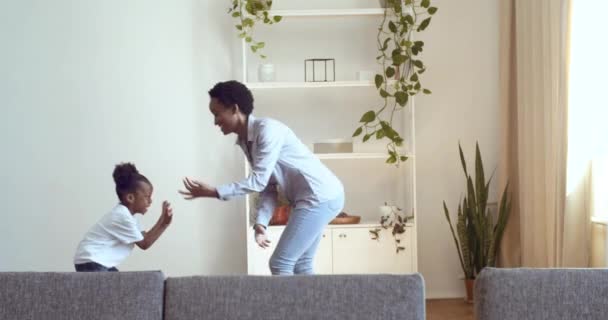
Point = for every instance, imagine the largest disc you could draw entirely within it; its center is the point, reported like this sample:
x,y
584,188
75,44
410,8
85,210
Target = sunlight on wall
x,y
588,107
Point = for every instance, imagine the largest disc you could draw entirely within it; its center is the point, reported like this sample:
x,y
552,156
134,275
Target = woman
x,y
277,158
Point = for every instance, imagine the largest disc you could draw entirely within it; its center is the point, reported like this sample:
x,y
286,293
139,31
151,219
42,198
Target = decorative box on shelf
x,y
333,146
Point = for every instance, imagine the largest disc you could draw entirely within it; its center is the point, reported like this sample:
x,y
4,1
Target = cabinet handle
x,y
342,235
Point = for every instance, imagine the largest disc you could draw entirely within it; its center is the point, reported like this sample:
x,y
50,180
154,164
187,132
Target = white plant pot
x,y
386,213
266,72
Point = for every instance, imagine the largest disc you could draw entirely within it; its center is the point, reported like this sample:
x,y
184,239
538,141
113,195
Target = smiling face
x,y
224,117
140,200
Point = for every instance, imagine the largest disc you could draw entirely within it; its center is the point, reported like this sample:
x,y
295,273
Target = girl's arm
x,y
161,225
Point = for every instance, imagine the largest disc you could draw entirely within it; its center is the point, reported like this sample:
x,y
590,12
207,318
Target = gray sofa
x,y
148,295
552,294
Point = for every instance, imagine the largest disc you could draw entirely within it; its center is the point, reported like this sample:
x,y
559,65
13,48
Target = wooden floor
x,y
449,309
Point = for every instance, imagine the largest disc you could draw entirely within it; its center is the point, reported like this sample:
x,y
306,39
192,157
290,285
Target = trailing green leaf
x,y
379,80
409,19
425,23
368,117
392,27
401,97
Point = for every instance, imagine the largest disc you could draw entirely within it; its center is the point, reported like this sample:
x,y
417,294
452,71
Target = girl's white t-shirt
x,y
111,239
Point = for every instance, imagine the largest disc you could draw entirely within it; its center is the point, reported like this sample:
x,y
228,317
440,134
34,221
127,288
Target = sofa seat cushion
x,y
296,297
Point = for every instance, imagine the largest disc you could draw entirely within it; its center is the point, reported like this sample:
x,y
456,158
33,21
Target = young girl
x,y
111,239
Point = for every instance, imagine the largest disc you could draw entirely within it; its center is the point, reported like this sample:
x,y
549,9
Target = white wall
x,y
462,55
87,84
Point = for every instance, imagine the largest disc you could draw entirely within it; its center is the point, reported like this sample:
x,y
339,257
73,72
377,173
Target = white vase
x,y
383,3
386,213
266,72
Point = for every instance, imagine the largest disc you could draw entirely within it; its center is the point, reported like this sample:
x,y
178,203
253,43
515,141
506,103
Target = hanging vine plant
x,y
401,70
247,13
396,220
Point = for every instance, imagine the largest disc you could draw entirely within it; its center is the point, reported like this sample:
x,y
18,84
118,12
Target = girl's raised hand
x,y
166,215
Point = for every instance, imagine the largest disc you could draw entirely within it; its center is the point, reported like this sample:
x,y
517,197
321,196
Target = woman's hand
x,y
197,189
260,236
166,215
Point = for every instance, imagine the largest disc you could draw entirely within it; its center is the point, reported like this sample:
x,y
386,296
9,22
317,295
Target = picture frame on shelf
x,y
316,70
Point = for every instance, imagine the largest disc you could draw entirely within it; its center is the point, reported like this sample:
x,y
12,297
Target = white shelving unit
x,y
306,85
344,248
328,12
336,156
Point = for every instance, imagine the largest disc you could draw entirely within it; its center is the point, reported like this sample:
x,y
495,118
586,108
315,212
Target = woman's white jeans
x,y
298,245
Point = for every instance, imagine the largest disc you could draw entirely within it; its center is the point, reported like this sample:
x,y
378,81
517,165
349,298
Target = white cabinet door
x,y
323,259
258,258
354,252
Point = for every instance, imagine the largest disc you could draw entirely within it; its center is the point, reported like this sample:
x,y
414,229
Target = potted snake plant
x,y
477,236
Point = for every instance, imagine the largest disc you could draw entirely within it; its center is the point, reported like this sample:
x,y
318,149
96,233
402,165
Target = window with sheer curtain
x,y
588,103
599,187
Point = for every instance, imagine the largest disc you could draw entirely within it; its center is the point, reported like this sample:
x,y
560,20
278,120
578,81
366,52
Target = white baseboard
x,y
445,295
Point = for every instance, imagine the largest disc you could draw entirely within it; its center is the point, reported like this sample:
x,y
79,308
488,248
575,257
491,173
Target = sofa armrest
x,y
81,295
552,294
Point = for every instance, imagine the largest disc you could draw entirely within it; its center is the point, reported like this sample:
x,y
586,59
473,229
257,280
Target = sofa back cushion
x,y
572,294
295,297
82,295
